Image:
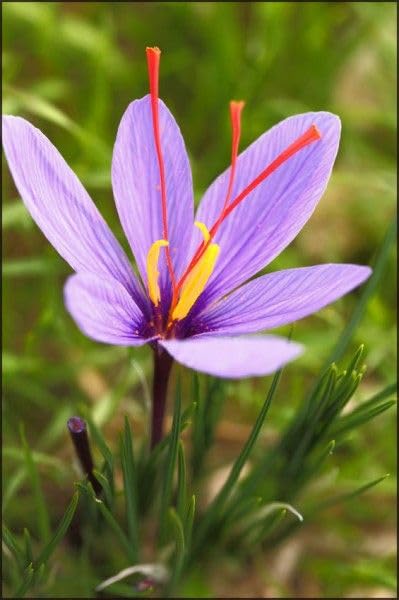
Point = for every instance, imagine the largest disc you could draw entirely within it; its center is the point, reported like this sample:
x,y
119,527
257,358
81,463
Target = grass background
x,y
72,68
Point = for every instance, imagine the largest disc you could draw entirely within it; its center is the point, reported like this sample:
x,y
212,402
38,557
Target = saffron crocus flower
x,y
191,302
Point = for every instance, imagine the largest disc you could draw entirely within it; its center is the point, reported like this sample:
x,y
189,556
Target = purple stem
x,y
162,367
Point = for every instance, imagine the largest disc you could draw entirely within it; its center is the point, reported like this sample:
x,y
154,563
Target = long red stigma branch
x,y
235,117
310,136
153,59
236,107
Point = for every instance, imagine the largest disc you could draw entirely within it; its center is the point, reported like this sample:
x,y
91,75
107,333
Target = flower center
x,y
190,286
198,277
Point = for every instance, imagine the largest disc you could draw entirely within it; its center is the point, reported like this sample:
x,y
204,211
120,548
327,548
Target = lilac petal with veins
x,y
136,185
279,298
104,310
233,357
273,213
62,208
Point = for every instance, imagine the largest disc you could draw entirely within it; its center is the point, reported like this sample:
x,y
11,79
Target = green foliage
x,y
130,487
31,570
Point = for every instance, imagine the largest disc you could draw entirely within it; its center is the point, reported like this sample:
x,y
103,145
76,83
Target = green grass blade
x,y
348,496
369,289
130,489
189,521
60,532
358,418
106,488
42,515
87,489
170,464
216,507
26,584
28,547
178,536
14,547
181,481
270,524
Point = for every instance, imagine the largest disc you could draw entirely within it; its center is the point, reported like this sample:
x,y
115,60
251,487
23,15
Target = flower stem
x,y
162,367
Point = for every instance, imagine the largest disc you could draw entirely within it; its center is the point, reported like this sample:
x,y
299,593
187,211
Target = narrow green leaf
x,y
28,547
109,518
270,524
178,535
164,443
308,434
206,417
354,364
217,505
357,418
240,509
257,518
197,437
181,481
14,547
385,393
59,533
328,451
100,443
371,285
130,490
26,584
12,486
348,496
189,521
170,464
43,518
107,455
106,488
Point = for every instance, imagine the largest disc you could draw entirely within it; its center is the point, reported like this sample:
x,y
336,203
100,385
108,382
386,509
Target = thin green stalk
x,y
170,465
130,489
42,515
217,505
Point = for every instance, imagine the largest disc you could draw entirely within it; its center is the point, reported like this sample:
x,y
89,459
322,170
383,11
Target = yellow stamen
x,y
197,280
152,270
204,230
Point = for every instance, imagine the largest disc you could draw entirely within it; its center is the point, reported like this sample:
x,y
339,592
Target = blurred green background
x,y
72,68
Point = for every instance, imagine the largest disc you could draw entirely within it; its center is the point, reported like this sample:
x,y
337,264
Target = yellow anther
x,y
152,270
196,281
204,230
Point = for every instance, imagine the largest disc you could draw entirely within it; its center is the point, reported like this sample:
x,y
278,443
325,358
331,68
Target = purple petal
x,y
280,298
233,357
135,180
272,215
61,206
104,310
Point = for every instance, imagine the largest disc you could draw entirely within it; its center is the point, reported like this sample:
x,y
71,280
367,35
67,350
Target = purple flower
x,y
191,297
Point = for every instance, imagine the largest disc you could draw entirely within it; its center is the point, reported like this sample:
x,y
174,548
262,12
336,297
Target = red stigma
x,y
236,107
235,116
153,60
310,136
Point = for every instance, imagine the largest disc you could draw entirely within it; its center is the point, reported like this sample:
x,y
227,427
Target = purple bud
x,y
78,430
76,425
